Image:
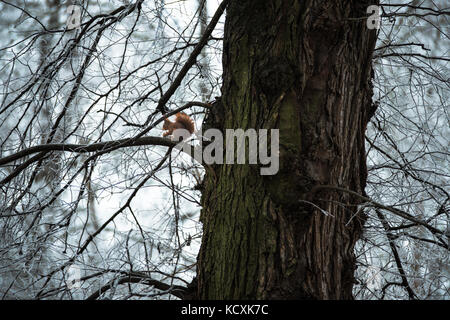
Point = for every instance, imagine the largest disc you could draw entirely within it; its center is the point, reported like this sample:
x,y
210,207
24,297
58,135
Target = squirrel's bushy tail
x,y
186,121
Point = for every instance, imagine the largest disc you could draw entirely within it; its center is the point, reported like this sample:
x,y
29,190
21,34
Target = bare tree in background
x,y
95,204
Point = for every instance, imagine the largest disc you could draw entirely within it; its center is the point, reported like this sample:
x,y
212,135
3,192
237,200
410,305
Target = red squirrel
x,y
182,121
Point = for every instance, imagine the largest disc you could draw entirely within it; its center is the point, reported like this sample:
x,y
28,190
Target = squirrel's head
x,y
166,124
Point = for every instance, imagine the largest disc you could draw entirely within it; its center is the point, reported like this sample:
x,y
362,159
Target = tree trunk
x,y
303,67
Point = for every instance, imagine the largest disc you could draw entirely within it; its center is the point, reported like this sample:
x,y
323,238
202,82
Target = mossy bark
x,y
303,67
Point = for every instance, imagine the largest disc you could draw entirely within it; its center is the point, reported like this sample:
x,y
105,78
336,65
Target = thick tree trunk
x,y
303,67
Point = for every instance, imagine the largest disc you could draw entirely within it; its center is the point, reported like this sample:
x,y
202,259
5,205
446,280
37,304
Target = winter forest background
x,y
123,222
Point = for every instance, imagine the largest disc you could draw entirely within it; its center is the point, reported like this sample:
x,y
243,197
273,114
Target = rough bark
x,y
303,67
